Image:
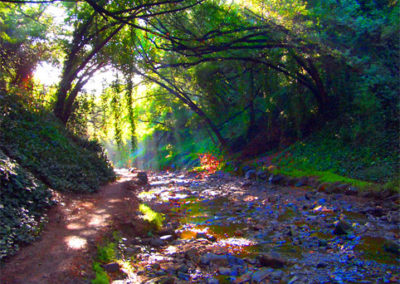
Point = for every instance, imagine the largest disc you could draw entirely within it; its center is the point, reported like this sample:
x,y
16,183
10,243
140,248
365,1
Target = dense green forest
x,y
310,87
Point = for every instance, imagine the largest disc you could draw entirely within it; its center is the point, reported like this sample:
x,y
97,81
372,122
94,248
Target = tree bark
x,y
72,67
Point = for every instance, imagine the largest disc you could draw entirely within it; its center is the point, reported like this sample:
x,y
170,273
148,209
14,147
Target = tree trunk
x,y
129,93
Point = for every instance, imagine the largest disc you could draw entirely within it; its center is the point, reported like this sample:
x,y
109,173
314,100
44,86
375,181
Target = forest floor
x,y
218,229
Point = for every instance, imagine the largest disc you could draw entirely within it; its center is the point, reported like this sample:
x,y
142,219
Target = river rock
x,y
244,279
351,190
209,258
324,187
263,175
212,281
111,267
271,261
224,271
251,174
392,248
142,178
233,260
192,254
260,275
301,182
275,179
156,242
201,235
183,276
341,228
162,280
167,238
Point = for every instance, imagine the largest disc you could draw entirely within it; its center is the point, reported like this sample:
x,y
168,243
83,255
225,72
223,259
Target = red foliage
x,y
209,163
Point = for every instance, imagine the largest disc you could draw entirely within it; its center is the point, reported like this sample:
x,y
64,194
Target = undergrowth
x,y
62,161
106,252
154,218
23,199
334,160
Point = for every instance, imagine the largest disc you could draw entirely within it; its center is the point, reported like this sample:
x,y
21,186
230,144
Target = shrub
x,y
59,159
23,199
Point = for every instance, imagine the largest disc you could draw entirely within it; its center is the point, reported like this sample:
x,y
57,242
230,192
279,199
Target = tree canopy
x,y
243,74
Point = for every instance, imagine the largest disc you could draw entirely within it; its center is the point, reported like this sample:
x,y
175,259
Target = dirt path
x,y
63,253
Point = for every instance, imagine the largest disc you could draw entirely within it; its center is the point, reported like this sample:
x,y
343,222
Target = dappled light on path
x,y
75,242
76,224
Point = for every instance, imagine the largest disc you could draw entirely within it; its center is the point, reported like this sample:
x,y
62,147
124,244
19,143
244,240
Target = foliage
x,y
106,253
246,77
22,43
326,155
62,161
101,275
23,199
154,218
209,164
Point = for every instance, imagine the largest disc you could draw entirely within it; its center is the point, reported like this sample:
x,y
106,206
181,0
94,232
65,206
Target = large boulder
x,y
142,178
137,182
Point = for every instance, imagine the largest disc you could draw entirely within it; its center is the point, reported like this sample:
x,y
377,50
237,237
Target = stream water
x,y
223,230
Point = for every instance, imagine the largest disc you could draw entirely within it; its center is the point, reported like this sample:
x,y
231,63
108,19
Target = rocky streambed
x,y
224,229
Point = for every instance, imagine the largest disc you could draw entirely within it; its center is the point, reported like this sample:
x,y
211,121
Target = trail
x,y
63,253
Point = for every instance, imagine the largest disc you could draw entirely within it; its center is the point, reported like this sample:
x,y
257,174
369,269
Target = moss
x,y
325,176
332,160
153,217
393,185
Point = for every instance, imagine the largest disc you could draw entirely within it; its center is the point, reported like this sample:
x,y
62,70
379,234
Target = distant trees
x,y
291,66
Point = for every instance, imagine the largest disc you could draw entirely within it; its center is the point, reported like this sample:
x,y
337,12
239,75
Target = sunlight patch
x,y
75,242
74,226
98,219
236,242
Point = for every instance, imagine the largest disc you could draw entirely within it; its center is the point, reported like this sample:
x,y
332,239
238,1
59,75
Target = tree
x,y
22,32
97,23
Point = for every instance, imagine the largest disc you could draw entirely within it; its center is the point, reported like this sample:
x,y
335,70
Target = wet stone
x,y
261,275
167,238
392,248
183,276
277,274
111,267
271,261
233,260
156,242
224,271
251,174
244,279
351,190
142,178
201,236
341,228
301,182
304,241
275,179
214,258
212,281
